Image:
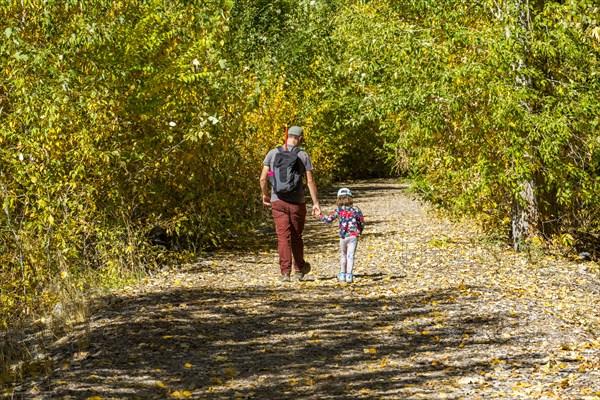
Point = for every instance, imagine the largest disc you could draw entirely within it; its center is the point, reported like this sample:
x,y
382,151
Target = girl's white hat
x,y
344,192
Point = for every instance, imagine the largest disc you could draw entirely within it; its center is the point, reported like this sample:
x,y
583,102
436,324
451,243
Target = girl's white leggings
x,y
347,248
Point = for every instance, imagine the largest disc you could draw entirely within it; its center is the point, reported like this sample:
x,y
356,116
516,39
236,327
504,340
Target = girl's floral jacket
x,y
352,221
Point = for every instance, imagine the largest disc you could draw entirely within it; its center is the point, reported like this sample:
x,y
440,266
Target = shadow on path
x,y
263,343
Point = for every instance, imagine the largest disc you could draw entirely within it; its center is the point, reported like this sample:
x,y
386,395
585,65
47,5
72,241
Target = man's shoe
x,y
305,269
284,278
341,277
349,278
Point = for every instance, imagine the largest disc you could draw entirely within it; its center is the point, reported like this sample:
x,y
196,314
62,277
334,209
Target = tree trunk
x,y
524,212
524,215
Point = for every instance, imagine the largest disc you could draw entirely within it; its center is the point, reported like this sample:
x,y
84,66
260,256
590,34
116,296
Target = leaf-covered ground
x,y
434,313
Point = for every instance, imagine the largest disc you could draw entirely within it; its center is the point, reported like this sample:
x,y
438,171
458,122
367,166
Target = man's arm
x,y
264,185
314,195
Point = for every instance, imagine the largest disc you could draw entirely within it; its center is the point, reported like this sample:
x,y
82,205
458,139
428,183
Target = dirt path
x,y
434,313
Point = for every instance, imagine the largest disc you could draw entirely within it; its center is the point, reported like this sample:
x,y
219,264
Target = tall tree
x,y
516,17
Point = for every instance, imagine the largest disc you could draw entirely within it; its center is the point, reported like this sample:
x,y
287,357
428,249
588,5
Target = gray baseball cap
x,y
295,131
344,192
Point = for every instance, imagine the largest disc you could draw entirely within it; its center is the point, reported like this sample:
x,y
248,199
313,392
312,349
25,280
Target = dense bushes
x,y
116,117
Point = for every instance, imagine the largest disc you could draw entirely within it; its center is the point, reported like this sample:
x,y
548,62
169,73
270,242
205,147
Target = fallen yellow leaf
x,y
523,384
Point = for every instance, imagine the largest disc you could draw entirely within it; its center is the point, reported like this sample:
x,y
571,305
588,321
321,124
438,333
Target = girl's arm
x,y
330,218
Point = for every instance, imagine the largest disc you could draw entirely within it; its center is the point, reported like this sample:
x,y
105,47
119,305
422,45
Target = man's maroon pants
x,y
289,223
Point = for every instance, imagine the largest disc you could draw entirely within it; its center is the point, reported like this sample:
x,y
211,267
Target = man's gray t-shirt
x,y
297,197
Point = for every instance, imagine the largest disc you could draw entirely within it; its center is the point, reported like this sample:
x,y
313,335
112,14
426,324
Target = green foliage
x,y
119,116
444,80
109,128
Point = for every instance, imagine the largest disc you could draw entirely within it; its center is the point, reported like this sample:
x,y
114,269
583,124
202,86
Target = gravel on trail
x,y
435,312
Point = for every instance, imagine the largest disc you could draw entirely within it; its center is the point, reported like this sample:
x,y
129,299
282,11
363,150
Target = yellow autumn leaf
x,y
523,384
161,385
188,365
177,394
216,380
94,398
370,350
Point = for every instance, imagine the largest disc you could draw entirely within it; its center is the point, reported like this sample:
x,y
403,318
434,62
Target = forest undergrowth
x,y
435,312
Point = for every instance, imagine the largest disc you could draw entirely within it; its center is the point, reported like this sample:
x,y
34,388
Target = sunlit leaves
x,y
461,122
117,116
88,151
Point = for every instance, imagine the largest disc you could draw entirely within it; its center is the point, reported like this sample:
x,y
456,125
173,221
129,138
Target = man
x,y
289,209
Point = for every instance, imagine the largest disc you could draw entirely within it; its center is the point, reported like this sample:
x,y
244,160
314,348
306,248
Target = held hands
x,y
316,210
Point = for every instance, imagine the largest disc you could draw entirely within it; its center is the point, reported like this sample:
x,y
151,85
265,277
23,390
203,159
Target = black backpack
x,y
287,171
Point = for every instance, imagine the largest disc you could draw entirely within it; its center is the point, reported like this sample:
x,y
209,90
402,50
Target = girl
x,y
352,224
